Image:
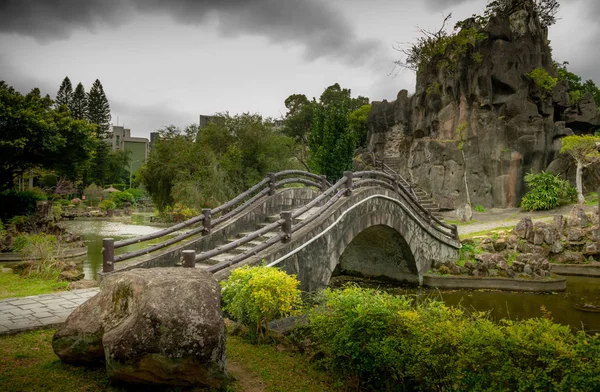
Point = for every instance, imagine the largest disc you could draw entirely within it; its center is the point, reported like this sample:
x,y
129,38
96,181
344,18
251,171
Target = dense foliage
x,y
388,343
543,80
585,151
18,203
34,134
317,147
257,295
546,191
577,88
202,168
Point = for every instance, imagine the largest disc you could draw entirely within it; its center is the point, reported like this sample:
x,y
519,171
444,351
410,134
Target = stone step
x,y
219,258
272,218
308,213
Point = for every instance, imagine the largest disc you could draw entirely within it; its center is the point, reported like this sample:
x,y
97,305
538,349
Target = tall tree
x,y
79,104
584,149
33,134
65,93
99,109
331,141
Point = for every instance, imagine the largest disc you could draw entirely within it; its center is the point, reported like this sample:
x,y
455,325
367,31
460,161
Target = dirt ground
x,y
502,217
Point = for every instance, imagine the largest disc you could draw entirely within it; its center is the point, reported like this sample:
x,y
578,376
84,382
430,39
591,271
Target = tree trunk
x,y
578,182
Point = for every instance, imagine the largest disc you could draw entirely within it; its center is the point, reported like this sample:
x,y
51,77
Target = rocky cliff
x,y
471,135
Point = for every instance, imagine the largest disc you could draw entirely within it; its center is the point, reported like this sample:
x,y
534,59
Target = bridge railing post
x,y
323,183
397,183
455,232
348,175
108,254
271,183
206,222
287,225
189,258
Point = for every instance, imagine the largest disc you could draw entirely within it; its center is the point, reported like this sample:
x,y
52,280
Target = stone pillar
x,y
287,225
189,258
348,176
206,222
108,254
271,183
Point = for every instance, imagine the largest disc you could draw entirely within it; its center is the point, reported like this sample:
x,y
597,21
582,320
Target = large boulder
x,y
577,217
151,326
525,229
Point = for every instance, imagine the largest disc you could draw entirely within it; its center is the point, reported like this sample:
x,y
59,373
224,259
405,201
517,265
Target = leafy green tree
x,y
98,109
331,141
33,134
584,149
65,93
78,104
546,9
358,122
334,95
203,168
577,88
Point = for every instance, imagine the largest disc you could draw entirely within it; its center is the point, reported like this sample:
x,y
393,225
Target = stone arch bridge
x,y
370,223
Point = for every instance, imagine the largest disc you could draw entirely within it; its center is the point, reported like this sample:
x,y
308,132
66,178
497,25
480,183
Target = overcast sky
x,y
165,62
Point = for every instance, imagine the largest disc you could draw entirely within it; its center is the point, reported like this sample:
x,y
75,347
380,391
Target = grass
x,y
459,223
12,285
28,363
486,232
280,371
591,199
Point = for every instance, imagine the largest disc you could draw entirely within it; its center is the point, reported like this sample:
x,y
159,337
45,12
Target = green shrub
x,y
137,193
386,343
41,249
543,80
122,197
257,295
479,208
546,191
106,205
19,203
63,202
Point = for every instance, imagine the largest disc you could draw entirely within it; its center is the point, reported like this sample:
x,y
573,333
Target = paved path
x,y
40,311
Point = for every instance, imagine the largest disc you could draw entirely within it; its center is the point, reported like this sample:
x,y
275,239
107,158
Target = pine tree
x,y
65,93
98,109
79,103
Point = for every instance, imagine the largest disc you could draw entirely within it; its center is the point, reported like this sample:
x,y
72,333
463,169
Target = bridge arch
x,y
379,250
314,260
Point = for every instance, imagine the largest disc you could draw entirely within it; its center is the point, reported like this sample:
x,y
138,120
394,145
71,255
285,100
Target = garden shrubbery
x,y
19,203
387,343
255,296
381,342
547,191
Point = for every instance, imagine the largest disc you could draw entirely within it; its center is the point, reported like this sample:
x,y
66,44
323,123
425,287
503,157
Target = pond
x,y
565,308
94,230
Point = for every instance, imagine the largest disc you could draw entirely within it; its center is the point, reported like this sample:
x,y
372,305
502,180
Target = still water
x,y
94,230
566,307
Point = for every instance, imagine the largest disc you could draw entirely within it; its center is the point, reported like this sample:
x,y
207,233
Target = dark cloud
x,y
441,5
314,24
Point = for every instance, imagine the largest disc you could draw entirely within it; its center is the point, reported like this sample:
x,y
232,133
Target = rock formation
x,y
469,135
152,326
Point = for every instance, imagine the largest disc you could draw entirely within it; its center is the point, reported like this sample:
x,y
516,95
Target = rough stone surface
x,y
577,217
71,275
557,247
547,233
524,229
569,257
154,326
575,234
500,245
464,213
481,128
559,223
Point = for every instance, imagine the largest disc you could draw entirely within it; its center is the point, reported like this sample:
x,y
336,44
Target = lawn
x,y
12,285
28,363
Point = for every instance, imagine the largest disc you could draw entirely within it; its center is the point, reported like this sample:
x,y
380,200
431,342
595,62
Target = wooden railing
x,y
267,187
284,227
